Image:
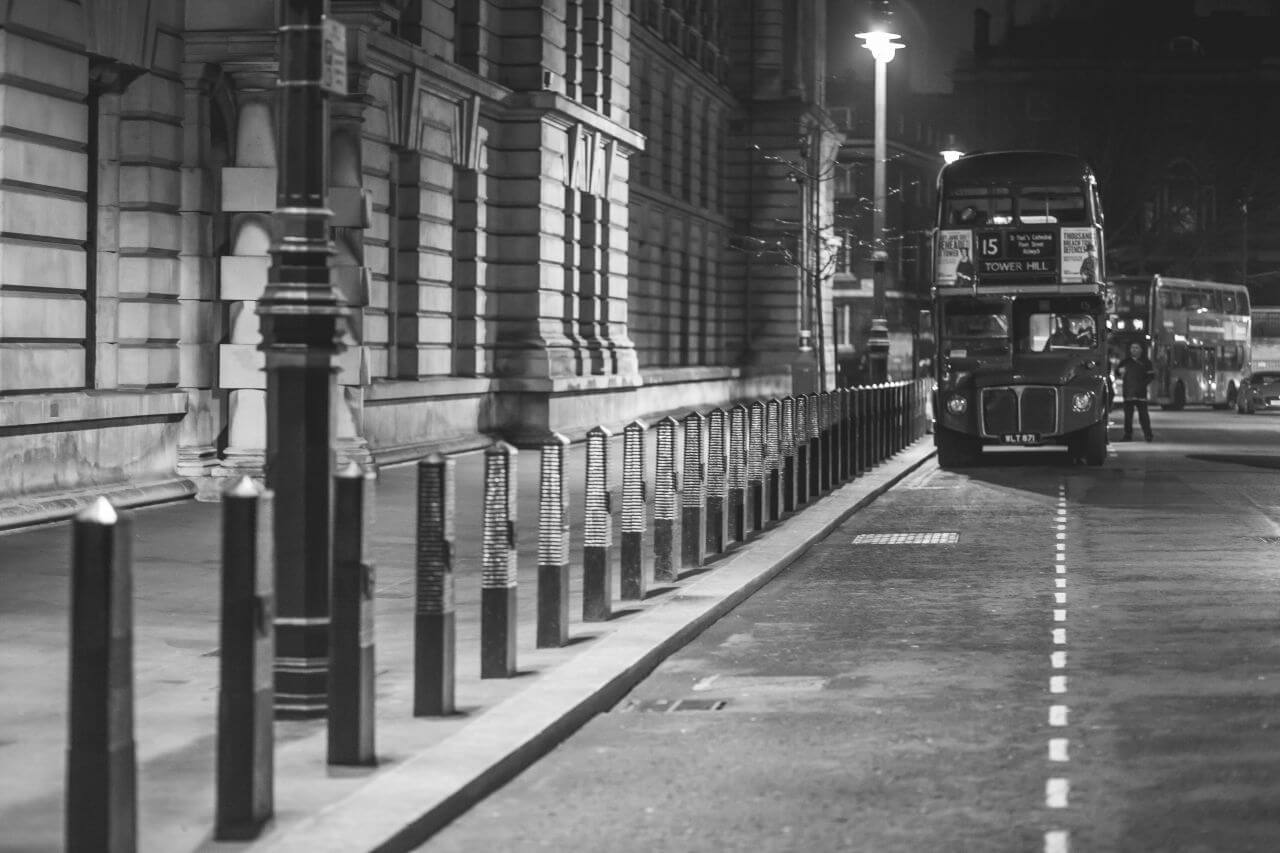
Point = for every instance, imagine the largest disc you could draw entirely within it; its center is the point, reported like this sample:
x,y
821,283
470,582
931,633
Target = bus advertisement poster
x,y
955,258
1079,256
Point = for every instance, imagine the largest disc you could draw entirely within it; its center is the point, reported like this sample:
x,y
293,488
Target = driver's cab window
x,y
1071,331
976,329
1054,325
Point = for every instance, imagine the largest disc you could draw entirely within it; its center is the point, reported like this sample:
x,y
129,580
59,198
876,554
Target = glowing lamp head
x,y
881,44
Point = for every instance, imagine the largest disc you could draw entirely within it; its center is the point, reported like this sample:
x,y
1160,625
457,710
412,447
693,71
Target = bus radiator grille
x,y
1039,410
999,411
1019,410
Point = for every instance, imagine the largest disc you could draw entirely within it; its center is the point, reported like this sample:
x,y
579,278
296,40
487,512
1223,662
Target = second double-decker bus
x,y
1196,333
1261,387
1019,310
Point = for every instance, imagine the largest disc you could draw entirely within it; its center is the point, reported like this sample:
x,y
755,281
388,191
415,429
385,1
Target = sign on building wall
x,y
333,59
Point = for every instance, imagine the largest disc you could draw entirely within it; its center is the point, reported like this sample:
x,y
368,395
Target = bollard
x,y
814,434
597,574
800,433
824,442
773,458
246,649
434,637
102,775
860,431
553,546
715,533
351,649
842,434
833,439
850,434
634,495
737,479
787,444
665,488
498,564
755,465
692,544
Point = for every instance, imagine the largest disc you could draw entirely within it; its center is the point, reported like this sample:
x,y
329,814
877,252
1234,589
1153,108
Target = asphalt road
x,y
1021,655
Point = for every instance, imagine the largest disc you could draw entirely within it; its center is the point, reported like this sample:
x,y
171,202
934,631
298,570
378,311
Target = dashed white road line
x,y
1057,788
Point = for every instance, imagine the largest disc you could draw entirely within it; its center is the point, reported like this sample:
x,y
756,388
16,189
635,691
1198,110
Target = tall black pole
x,y
300,312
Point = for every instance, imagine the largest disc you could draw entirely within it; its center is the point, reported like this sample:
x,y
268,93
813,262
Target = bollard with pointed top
x,y
498,564
245,741
434,629
824,442
716,465
787,444
597,538
553,545
813,431
692,544
801,433
666,489
102,775
351,648
736,506
755,465
773,458
634,495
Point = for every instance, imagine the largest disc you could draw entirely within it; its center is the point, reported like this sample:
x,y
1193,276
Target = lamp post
x,y
951,149
300,312
883,46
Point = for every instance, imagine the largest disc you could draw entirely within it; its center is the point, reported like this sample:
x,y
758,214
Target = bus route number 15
x,y
989,245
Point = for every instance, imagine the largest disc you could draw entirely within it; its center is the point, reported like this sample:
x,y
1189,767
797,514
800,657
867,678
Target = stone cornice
x,y
222,46
567,113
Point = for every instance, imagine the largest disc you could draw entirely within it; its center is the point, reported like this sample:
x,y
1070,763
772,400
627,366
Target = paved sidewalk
x,y
430,769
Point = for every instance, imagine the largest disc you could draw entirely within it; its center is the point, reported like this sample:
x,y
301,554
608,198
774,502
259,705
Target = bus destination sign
x,y
1018,253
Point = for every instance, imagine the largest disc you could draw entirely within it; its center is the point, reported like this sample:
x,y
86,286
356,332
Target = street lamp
x,y
951,150
301,315
883,45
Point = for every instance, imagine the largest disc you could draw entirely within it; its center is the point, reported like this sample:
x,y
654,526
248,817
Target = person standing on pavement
x,y
1136,373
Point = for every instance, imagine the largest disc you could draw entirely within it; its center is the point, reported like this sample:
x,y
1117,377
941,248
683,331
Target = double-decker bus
x,y
1196,333
1019,309
1261,387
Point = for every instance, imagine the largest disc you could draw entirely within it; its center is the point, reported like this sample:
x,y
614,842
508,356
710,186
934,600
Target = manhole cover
x,y
663,706
906,538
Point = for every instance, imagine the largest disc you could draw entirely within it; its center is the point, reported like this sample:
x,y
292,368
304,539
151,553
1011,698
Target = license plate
x,y
1020,438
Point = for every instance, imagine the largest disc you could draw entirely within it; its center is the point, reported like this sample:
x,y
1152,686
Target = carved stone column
x,y
249,195
350,204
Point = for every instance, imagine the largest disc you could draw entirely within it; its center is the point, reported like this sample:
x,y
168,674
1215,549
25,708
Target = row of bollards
x,y
731,474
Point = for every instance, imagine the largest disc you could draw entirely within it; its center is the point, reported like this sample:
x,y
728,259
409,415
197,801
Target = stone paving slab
x,y
430,769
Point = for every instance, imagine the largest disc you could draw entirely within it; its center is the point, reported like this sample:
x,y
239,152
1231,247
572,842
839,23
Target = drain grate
x,y
664,706
906,539
1270,540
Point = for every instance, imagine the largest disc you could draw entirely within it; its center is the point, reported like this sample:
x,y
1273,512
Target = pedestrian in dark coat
x,y
1135,373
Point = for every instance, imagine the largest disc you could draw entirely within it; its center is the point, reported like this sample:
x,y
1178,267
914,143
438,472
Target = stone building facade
x,y
533,203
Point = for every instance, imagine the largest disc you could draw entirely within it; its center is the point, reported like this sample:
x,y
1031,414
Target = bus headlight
x,y
1081,401
957,405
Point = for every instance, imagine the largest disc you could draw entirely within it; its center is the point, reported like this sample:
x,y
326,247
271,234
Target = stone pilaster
x,y
470,220
199,321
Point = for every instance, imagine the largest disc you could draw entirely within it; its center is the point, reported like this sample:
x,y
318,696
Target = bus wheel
x,y
954,449
1095,444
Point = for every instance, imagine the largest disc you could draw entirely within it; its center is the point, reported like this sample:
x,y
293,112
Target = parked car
x,y
1261,390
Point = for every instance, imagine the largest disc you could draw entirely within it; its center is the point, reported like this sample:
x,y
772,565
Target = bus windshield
x,y
972,328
